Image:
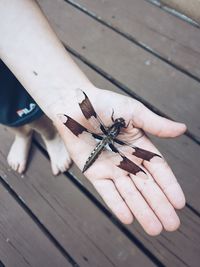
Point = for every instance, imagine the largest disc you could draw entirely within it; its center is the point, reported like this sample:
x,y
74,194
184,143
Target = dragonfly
x,y
108,136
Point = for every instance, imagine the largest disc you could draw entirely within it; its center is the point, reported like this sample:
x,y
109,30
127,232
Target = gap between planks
x,y
174,12
36,220
132,39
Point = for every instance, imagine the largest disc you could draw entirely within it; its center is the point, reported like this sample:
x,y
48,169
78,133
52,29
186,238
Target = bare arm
x,y
31,49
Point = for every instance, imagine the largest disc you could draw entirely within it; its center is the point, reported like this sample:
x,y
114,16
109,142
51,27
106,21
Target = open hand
x,y
151,198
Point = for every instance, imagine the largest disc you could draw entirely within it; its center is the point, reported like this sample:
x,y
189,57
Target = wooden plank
x,y
169,90
190,9
87,235
22,243
170,37
180,153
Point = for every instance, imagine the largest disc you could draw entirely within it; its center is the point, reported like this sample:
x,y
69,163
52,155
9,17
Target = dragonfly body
x,y
111,133
108,136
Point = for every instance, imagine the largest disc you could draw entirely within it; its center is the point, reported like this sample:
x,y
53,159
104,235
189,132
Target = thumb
x,y
147,120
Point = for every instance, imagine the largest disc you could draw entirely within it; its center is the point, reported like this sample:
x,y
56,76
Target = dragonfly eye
x,y
121,121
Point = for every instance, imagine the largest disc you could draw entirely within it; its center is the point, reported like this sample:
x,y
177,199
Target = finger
x,y
139,207
158,202
108,192
164,176
149,121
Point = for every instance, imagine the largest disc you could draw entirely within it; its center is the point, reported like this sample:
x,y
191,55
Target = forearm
x,y
32,51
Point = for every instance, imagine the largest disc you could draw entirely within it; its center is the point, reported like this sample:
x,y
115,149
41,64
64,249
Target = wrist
x,y
64,101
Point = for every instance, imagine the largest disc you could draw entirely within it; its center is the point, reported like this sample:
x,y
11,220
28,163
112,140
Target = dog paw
x,y
18,154
59,156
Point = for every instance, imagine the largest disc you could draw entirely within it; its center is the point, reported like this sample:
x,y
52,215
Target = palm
x,y
152,199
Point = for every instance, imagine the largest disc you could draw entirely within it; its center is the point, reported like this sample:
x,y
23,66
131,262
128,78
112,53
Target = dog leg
x,y
18,154
60,159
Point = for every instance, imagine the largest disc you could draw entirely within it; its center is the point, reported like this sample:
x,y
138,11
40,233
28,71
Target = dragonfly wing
x,y
89,112
137,151
126,164
76,128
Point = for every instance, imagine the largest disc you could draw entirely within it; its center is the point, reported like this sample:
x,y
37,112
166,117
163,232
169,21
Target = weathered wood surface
x,y
152,27
189,8
171,91
78,224
22,243
88,236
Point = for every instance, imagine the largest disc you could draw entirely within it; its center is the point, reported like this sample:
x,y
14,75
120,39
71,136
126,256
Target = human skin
x,y
32,51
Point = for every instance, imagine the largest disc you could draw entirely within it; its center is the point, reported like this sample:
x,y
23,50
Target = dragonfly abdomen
x,y
96,152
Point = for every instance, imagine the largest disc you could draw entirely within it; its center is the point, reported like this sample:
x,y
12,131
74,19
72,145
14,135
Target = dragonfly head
x,y
121,122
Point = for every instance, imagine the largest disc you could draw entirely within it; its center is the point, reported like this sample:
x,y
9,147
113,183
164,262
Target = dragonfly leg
x,y
127,124
112,116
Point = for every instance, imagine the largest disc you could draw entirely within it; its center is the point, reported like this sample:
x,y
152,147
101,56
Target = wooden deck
x,y
135,48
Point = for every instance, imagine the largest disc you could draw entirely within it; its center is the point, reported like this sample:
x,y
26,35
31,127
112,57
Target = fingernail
x,y
142,175
183,125
62,118
157,159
